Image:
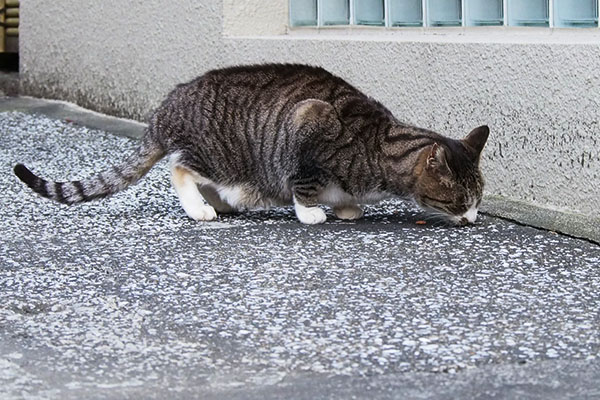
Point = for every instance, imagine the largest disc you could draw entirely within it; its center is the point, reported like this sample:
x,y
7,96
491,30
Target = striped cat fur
x,y
254,136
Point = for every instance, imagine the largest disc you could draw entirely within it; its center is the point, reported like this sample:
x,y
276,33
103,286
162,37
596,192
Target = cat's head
x,y
449,181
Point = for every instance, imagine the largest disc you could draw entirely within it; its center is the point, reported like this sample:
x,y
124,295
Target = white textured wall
x,y
268,17
114,56
541,100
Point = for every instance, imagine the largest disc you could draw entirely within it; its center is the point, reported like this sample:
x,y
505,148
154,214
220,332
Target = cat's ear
x,y
476,139
436,160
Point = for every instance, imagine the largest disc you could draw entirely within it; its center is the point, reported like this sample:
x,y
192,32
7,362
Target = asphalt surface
x,y
128,298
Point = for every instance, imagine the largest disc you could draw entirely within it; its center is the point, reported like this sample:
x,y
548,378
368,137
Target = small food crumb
x,y
420,222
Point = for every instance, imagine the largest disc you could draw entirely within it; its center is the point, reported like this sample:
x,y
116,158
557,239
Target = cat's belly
x,y
333,195
241,197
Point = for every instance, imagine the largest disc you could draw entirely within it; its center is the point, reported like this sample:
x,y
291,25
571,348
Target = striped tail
x,y
99,185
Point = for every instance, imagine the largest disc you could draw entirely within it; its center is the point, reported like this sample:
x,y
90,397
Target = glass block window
x,y
528,13
303,12
575,13
369,12
484,12
445,13
335,12
406,12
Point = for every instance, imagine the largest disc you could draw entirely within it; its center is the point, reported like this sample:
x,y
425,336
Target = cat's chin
x,y
440,216
459,220
450,220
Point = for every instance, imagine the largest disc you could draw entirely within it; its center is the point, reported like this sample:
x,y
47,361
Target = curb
x,y
67,111
572,224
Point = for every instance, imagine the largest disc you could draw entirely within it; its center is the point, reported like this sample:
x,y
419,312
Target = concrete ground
x,y
128,298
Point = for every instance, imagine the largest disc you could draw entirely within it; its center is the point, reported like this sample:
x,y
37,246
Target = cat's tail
x,y
99,185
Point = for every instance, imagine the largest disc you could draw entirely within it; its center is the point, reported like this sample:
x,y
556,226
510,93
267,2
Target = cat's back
x,y
260,85
253,99
266,75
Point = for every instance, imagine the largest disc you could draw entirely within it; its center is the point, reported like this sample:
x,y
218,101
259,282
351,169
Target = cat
x,y
255,136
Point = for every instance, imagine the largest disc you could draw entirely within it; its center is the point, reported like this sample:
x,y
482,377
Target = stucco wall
x,y
267,17
113,56
540,97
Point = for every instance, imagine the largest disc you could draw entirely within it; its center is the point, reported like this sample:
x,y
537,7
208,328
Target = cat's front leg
x,y
306,186
309,122
309,215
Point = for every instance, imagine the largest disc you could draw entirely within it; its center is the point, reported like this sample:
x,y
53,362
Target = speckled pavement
x,y
126,298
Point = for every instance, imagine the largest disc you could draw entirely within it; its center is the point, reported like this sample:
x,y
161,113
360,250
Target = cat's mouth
x,y
460,220
443,216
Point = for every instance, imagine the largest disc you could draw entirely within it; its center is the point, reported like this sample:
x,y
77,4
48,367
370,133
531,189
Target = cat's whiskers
x,y
439,218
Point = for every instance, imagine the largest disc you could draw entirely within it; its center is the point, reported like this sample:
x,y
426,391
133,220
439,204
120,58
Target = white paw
x,y
202,213
310,215
348,212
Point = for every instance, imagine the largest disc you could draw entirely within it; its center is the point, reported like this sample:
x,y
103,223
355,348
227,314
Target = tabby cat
x,y
254,136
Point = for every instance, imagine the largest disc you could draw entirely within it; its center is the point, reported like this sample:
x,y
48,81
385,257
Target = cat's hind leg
x,y
186,184
212,197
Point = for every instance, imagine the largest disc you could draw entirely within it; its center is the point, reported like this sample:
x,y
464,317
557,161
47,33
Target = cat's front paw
x,y
310,215
202,213
348,212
